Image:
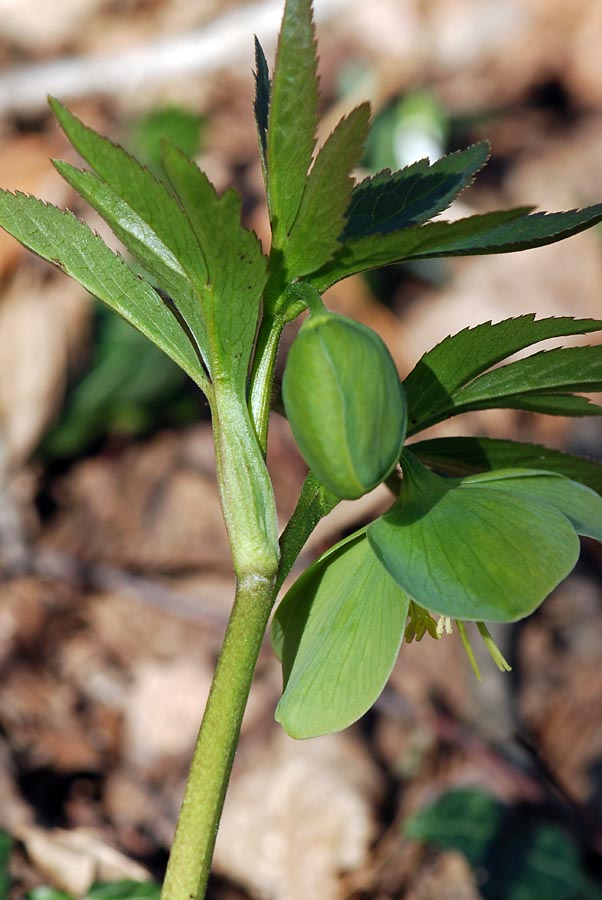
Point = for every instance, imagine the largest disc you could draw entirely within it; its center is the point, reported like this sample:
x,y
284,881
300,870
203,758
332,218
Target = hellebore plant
x,y
479,530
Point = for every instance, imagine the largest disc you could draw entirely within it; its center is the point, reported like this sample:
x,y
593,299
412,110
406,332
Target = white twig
x,y
24,89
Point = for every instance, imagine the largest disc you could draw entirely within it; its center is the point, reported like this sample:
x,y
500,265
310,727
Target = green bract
x,y
345,404
484,548
337,632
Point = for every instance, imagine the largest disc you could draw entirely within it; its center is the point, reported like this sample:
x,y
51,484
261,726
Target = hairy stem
x,y
190,859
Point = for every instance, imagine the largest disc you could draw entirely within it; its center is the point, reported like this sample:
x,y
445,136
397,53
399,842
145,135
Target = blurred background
x,y
115,567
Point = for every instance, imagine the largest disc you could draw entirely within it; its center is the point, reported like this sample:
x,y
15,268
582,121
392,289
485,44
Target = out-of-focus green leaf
x,y
293,117
6,843
66,242
48,893
168,123
125,890
130,386
391,201
465,455
338,633
472,553
517,856
461,357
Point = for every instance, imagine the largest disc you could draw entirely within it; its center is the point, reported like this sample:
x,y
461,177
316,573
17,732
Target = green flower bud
x,y
345,403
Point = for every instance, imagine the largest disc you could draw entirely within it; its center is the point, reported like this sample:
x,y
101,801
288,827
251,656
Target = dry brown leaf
x,y
297,816
39,26
41,323
148,508
73,860
449,877
163,711
25,166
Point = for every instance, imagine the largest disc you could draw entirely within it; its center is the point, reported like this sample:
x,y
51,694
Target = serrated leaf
x,y
554,371
499,232
261,104
338,632
391,201
236,266
314,235
546,404
581,505
67,243
465,455
139,188
293,117
140,239
459,358
475,554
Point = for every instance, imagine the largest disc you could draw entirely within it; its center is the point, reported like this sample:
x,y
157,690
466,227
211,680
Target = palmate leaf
x,y
314,235
546,404
292,118
66,242
338,633
139,188
562,370
458,359
499,232
139,238
465,455
210,266
470,552
236,266
391,201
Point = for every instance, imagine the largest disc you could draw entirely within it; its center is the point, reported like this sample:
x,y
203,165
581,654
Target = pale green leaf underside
x,y
293,116
459,358
581,505
505,231
66,242
338,631
391,201
475,554
465,455
236,267
315,234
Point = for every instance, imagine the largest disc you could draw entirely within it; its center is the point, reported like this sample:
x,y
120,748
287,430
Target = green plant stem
x,y
190,859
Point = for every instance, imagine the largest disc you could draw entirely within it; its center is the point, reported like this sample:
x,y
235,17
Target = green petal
x,y
479,554
581,505
338,632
